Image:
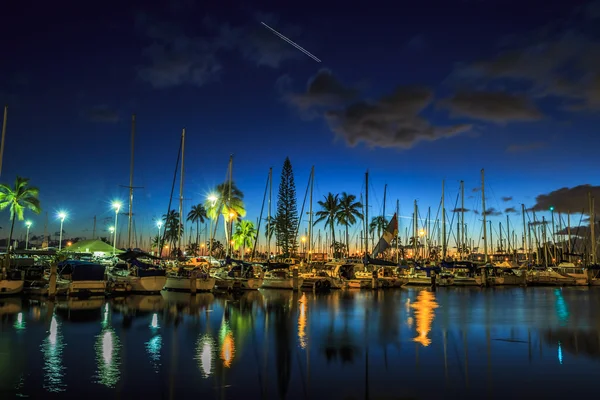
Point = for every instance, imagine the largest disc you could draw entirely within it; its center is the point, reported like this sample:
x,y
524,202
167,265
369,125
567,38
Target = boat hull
x,y
10,287
238,283
136,284
274,283
183,284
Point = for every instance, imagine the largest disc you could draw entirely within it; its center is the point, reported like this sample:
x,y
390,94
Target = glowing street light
x,y
28,225
213,200
158,225
117,206
62,216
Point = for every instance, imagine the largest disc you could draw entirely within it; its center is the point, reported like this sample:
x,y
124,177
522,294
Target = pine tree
x,y
286,223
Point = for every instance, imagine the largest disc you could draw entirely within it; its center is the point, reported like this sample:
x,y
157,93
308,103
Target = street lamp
x,y
28,225
117,206
62,215
158,225
303,238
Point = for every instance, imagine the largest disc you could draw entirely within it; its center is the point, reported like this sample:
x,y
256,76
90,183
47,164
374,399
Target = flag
x,y
388,235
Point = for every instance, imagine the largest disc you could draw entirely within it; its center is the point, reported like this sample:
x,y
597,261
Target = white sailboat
x,y
185,279
280,279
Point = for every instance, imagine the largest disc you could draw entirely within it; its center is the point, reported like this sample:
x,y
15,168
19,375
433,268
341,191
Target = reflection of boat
x,y
182,281
74,304
279,279
188,301
576,342
12,283
10,305
143,303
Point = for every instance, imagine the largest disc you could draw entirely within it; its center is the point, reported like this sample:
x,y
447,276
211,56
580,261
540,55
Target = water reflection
x,y
302,322
19,324
562,311
205,354
154,345
52,350
107,353
227,343
424,315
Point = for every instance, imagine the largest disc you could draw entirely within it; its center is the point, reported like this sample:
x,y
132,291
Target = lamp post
x,y
158,225
117,206
28,225
62,215
303,238
213,200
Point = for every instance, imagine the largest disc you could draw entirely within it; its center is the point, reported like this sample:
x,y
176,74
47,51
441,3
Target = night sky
x,y
415,92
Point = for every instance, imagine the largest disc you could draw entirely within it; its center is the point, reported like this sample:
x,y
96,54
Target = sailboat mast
x,y
462,218
507,235
485,249
524,233
415,232
229,246
310,214
384,199
592,227
444,249
270,224
181,191
398,234
569,232
366,216
130,214
500,248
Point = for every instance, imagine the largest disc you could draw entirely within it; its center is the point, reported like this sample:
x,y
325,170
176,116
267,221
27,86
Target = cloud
x,y
391,121
103,114
560,60
511,210
507,198
459,209
564,200
476,212
322,90
492,212
538,222
193,56
524,147
578,231
476,190
498,107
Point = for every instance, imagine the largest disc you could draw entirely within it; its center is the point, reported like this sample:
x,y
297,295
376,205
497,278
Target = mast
x,y
524,233
270,225
485,252
544,240
310,215
398,234
507,235
501,237
569,232
384,198
462,217
443,224
2,141
229,246
131,183
181,192
415,232
366,216
94,229
592,227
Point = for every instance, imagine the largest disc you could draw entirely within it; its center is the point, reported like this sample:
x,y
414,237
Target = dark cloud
x,y
177,56
524,147
475,190
560,60
507,198
476,212
564,200
103,114
323,90
492,212
392,121
537,222
511,210
459,209
499,107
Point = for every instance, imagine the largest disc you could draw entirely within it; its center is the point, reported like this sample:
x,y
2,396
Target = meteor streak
x,y
292,43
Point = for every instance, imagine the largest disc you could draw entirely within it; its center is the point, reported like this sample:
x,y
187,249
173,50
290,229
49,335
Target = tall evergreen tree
x,y
286,223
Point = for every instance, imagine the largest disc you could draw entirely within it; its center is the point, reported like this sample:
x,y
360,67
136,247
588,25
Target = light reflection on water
x,y
257,345
52,349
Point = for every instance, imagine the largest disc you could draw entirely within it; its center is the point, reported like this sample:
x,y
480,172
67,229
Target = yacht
x,y
82,278
136,276
280,279
181,281
571,270
542,276
240,276
11,282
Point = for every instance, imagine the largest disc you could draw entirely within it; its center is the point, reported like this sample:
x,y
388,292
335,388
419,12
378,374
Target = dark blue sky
x,y
416,92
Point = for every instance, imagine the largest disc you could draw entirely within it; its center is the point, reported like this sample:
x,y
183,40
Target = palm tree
x,y
18,199
173,227
244,236
226,206
378,224
270,226
197,214
192,249
350,210
330,209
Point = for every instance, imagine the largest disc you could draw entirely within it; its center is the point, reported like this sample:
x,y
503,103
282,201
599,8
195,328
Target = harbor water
x,y
268,344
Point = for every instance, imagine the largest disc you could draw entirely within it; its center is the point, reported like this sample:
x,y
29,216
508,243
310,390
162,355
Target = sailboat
x,y
184,278
11,282
137,276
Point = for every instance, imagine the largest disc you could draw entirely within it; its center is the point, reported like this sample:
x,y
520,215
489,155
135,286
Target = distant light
x,y
154,323
303,238
69,243
551,208
212,198
111,229
159,224
62,215
28,224
116,205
